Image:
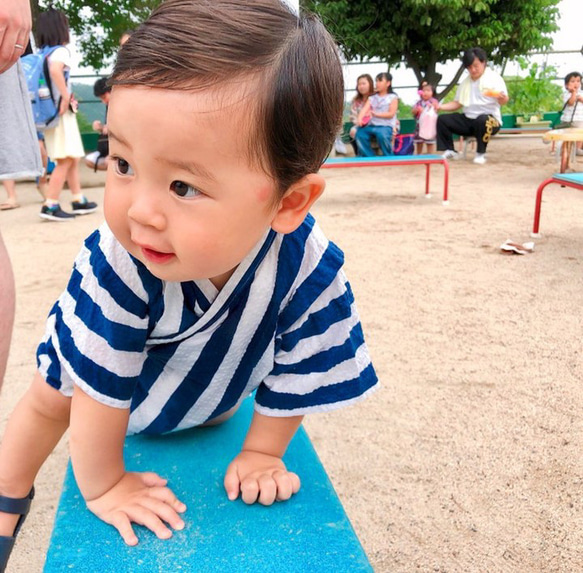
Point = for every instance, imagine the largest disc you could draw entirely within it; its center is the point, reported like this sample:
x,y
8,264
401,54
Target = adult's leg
x,y
58,178
6,308
10,187
73,178
448,125
384,135
33,430
363,136
43,179
484,127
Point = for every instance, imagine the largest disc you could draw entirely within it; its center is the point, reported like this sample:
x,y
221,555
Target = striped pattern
x,y
179,354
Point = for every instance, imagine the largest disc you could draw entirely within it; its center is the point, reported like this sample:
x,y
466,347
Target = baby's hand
x,y
143,499
260,477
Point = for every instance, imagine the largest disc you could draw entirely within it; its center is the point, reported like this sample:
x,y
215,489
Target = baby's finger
x,y
123,524
295,480
164,512
166,495
249,490
232,482
144,516
267,490
152,479
284,485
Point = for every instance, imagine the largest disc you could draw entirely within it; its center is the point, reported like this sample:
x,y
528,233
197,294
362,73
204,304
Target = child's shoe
x,y
83,207
480,158
55,213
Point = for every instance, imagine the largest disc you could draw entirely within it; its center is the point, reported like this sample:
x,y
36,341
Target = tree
x,y
423,33
99,24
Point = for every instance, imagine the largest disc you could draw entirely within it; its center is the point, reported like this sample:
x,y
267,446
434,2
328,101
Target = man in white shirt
x,y
480,95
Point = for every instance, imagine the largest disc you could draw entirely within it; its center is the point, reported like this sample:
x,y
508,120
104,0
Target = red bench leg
x,y
427,167
537,205
445,182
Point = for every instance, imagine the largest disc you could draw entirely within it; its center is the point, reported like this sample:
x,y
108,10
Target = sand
x,y
469,456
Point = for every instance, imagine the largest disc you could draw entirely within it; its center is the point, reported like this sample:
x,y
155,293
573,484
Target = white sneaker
x,y
450,154
480,159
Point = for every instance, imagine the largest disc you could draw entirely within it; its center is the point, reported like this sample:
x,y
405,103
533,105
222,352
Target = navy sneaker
x,y
83,207
55,213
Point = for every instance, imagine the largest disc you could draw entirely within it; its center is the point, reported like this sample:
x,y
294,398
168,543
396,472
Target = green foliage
x,y
404,110
422,33
534,94
99,24
83,123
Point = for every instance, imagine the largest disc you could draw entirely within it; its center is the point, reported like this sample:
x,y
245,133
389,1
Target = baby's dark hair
x,y
473,53
198,45
101,87
570,76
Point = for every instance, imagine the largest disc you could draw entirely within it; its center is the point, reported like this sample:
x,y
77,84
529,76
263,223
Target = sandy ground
x,y
469,457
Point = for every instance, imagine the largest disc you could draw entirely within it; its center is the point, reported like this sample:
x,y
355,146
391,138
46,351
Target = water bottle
x,y
43,90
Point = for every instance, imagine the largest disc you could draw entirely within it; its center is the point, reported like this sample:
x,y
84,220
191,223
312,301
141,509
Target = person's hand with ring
x,y
15,24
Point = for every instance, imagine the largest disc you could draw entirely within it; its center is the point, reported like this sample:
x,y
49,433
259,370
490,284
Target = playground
x,y
468,458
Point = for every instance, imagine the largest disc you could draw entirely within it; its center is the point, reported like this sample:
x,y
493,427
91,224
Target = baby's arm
x,y
114,495
258,472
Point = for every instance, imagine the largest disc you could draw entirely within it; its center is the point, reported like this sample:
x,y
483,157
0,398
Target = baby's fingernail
x,y
179,525
232,495
166,534
180,506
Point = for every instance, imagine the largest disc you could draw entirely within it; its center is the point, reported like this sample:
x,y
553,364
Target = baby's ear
x,y
296,203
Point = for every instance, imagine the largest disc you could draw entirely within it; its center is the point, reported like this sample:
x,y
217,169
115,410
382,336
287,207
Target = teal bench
x,y
391,160
310,532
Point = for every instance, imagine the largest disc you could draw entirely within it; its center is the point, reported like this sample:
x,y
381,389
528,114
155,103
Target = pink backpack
x,y
428,123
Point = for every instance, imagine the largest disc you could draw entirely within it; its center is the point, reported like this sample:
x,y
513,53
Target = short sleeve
x,y
62,55
321,359
458,93
97,330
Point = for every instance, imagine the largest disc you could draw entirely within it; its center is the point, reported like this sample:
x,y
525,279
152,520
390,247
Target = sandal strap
x,y
18,506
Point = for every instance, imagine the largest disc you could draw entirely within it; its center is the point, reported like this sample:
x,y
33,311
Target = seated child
x,y
364,89
425,113
98,159
209,278
573,103
382,108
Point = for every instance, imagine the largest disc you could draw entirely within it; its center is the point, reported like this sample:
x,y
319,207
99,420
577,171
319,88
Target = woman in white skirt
x,y
63,142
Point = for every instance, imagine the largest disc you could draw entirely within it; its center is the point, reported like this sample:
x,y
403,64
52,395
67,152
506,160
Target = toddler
x,y
425,112
209,279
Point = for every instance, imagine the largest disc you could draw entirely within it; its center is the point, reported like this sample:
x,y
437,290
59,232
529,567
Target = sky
x,y
568,37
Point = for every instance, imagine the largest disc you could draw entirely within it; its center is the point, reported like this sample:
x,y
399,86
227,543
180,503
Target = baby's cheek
x,y
264,193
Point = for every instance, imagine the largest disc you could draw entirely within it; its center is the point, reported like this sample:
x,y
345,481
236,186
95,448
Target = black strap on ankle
x,y
18,506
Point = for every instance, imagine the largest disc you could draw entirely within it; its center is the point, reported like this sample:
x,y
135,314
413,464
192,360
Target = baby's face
x,y
180,193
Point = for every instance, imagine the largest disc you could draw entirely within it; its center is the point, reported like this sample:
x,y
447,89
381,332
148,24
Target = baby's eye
x,y
122,166
183,189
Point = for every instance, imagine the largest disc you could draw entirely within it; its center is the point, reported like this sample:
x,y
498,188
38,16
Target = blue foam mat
x,y
310,532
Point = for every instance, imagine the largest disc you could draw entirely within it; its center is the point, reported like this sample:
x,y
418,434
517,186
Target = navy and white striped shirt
x,y
179,354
